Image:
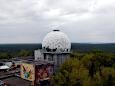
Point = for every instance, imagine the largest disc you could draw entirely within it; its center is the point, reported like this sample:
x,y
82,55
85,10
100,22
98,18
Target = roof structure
x,y
39,62
56,41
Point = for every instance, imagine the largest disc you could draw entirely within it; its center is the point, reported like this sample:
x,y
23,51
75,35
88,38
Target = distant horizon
x,y
71,43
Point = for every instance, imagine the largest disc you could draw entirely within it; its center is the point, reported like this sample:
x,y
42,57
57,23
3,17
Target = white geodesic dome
x,y
56,41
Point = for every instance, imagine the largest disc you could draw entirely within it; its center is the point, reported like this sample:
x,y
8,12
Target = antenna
x,y
56,27
56,30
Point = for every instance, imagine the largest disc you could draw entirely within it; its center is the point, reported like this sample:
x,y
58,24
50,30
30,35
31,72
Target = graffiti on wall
x,y
28,72
44,72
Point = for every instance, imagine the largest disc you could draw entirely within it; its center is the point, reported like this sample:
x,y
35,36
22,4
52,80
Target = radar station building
x,y
56,47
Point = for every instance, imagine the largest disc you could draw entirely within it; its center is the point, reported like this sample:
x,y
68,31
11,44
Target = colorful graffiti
x,y
28,71
44,72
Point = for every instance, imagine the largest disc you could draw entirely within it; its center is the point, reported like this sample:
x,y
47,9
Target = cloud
x,y
83,20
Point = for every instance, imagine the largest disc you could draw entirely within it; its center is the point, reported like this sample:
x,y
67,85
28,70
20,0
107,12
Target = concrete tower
x,y
56,47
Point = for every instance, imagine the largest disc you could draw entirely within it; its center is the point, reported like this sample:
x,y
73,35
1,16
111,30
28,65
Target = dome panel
x,y
56,41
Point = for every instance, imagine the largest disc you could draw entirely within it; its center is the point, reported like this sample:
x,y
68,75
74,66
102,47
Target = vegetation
x,y
21,53
8,51
90,69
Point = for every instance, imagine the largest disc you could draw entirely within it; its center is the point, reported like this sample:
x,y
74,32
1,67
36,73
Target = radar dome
x,y
56,41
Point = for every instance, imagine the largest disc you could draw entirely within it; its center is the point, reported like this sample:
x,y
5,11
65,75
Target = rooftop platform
x,y
56,52
16,81
39,62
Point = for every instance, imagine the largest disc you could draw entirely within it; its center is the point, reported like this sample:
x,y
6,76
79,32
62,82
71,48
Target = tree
x,y
71,73
5,55
25,53
93,69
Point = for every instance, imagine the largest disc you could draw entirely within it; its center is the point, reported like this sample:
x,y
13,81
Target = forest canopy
x,y
89,69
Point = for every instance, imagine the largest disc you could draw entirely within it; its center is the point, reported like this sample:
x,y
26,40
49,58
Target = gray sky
x,y
84,21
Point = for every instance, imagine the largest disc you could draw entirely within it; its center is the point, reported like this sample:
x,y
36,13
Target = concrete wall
x,y
38,55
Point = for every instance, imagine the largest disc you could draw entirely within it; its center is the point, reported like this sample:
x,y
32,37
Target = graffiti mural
x,y
28,71
44,72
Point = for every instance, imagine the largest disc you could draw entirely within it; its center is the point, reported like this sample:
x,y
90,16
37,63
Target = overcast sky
x,y
84,21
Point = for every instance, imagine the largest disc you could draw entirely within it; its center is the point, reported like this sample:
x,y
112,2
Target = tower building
x,y
56,47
